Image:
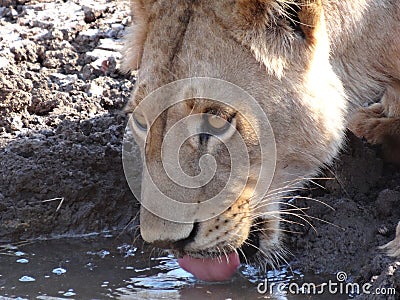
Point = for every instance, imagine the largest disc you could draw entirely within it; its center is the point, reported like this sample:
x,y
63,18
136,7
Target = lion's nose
x,y
178,245
164,233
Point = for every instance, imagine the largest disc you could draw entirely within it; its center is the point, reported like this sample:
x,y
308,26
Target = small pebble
x,y
27,279
59,271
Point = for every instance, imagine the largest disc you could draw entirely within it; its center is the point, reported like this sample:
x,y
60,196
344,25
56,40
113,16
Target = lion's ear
x,y
136,37
303,15
310,15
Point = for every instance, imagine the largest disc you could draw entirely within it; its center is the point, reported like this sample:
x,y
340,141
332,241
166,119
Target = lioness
x,y
314,67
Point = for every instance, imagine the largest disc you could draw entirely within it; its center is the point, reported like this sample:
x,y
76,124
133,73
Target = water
x,y
107,267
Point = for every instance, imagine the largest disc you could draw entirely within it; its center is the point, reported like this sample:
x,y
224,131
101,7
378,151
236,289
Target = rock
x,y
63,80
110,44
91,14
94,90
16,123
3,62
25,50
90,33
104,60
100,55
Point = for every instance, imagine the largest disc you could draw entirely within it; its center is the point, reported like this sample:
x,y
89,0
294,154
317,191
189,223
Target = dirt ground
x,y
61,124
61,130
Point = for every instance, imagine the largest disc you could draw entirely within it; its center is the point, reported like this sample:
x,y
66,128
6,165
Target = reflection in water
x,y
109,267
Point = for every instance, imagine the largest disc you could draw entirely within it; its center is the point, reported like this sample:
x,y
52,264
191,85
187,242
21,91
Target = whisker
x,y
244,255
311,199
283,220
302,218
279,202
278,230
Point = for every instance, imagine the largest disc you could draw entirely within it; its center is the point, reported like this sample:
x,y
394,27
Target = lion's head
x,y
275,50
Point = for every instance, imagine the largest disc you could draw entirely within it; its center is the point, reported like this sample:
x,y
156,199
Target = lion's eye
x,y
216,124
140,120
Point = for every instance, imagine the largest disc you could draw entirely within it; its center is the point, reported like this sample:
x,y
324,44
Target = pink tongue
x,y
211,269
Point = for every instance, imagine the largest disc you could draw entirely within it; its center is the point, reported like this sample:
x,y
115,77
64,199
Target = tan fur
x,y
393,246
309,83
138,32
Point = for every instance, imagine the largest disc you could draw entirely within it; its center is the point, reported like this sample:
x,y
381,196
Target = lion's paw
x,y
370,123
393,248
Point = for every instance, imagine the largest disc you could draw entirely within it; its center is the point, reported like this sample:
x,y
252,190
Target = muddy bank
x,y
353,211
61,125
61,130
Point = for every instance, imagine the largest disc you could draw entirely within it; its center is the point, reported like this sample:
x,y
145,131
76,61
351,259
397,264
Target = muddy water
x,y
108,267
